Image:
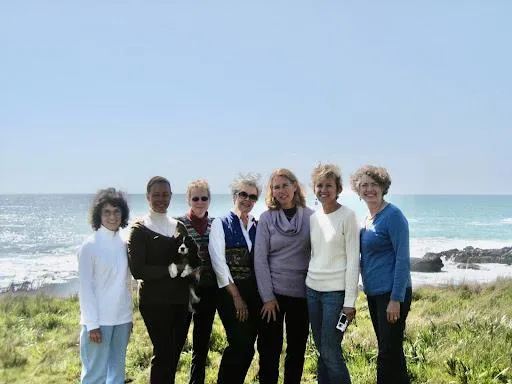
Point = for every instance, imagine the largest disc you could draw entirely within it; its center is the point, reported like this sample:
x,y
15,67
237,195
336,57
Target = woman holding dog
x,y
333,272
105,292
281,259
386,271
163,300
231,249
198,225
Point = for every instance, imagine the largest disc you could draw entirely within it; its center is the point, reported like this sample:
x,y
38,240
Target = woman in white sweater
x,y
333,273
105,292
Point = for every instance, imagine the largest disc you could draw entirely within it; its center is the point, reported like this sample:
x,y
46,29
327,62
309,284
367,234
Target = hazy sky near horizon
x,y
96,94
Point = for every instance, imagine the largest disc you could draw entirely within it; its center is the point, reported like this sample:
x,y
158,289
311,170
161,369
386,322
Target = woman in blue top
x,y
386,271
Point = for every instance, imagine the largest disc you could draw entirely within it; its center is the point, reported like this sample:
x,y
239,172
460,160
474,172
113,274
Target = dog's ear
x,y
190,243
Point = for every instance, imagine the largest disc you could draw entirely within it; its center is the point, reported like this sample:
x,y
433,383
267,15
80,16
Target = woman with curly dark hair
x,y
386,271
105,292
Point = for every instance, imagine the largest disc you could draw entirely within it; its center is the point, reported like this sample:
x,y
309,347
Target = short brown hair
x,y
157,180
379,174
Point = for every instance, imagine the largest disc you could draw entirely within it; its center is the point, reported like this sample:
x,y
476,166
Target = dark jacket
x,y
149,256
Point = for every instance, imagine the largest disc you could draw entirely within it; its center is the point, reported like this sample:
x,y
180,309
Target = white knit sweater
x,y
334,264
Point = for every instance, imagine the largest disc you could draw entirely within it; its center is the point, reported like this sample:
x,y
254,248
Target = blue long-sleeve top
x,y
385,258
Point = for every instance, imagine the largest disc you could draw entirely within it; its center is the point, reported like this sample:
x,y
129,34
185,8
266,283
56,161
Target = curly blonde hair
x,y
324,171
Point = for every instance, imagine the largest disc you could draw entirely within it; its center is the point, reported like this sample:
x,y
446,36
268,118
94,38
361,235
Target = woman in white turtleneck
x,y
163,300
105,292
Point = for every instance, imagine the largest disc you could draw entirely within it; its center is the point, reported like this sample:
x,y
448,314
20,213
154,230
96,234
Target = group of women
x,y
292,268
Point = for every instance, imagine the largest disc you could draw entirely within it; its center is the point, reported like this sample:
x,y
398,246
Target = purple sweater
x,y
281,253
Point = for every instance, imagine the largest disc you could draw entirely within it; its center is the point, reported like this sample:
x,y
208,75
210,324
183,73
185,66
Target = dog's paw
x,y
173,270
186,271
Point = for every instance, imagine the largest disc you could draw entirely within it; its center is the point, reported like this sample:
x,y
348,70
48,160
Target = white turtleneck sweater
x,y
105,282
160,223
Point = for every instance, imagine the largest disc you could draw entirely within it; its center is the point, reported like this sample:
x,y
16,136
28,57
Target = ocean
x,y
40,234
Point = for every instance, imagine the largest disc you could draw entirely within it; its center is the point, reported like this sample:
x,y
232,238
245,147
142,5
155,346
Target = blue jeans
x,y
104,363
324,310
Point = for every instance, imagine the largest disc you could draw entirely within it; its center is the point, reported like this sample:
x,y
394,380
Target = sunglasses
x,y
202,198
244,195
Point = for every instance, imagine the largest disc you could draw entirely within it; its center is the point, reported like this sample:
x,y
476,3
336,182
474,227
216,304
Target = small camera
x,y
342,322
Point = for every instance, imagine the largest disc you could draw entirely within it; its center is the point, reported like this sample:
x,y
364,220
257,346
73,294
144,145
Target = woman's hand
x,y
393,311
269,310
350,312
241,308
95,335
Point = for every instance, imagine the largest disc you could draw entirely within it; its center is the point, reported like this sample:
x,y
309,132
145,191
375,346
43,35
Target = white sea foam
x,y
42,270
450,274
507,220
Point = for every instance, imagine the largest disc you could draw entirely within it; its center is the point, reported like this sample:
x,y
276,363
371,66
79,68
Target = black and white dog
x,y
187,256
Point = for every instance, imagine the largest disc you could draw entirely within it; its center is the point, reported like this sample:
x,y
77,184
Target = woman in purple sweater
x,y
281,260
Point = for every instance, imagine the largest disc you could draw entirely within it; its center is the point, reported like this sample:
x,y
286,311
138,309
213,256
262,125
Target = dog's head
x,y
187,246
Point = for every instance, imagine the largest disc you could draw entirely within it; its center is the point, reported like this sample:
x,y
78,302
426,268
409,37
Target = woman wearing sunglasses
x,y
231,248
198,225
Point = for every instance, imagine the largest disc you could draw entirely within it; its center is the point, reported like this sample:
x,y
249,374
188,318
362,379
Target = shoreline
x,y
62,290
68,289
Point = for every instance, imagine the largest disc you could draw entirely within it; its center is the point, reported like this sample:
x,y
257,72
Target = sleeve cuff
x,y
350,301
91,326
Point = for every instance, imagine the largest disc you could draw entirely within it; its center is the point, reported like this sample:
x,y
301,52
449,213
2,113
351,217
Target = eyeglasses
x,y
108,212
244,195
202,198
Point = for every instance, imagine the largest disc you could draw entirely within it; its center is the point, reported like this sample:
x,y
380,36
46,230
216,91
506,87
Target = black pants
x,y
391,365
293,312
241,335
166,328
203,321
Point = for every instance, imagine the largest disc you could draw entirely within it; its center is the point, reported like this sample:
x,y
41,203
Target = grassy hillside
x,y
455,334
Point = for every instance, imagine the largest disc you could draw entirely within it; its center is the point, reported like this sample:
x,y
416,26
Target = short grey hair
x,y
247,179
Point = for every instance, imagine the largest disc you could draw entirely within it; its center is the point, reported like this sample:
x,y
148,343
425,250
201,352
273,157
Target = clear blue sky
x,y
102,93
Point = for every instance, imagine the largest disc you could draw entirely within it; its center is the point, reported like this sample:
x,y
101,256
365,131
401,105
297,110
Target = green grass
x,y
455,334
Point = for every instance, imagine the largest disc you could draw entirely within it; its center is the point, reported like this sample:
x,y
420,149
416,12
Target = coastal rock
x,y
477,255
428,263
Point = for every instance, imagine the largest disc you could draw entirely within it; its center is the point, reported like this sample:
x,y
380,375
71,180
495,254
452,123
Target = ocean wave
x,y
481,224
507,220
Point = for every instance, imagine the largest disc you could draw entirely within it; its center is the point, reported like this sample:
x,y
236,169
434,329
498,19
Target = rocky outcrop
x,y
431,262
476,255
